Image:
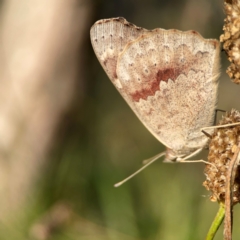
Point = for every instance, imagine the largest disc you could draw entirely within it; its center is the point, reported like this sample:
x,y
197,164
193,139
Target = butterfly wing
x,y
109,37
168,78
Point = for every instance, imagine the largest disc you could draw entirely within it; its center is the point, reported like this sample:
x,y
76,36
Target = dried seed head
x,y
221,151
231,38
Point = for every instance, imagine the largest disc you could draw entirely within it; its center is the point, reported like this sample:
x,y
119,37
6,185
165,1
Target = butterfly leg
x,y
184,159
215,116
221,126
179,159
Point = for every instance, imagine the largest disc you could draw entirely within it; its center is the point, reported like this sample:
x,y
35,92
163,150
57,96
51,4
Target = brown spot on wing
x,y
110,66
168,73
150,88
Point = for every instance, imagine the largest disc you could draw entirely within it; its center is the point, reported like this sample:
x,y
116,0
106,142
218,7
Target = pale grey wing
x,y
109,37
170,81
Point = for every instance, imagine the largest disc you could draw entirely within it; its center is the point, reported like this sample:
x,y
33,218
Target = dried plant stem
x,y
216,222
231,175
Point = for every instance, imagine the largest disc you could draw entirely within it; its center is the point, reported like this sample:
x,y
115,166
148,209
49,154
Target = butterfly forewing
x,y
109,37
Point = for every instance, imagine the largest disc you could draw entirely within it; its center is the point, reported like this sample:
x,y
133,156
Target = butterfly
x,y
169,78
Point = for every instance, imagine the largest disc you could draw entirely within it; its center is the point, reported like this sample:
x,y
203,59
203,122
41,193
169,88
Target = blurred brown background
x,y
66,135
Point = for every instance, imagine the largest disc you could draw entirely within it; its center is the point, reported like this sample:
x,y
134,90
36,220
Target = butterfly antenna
x,y
151,158
150,161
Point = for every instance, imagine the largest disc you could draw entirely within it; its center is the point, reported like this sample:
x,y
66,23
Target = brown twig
x,y
230,178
